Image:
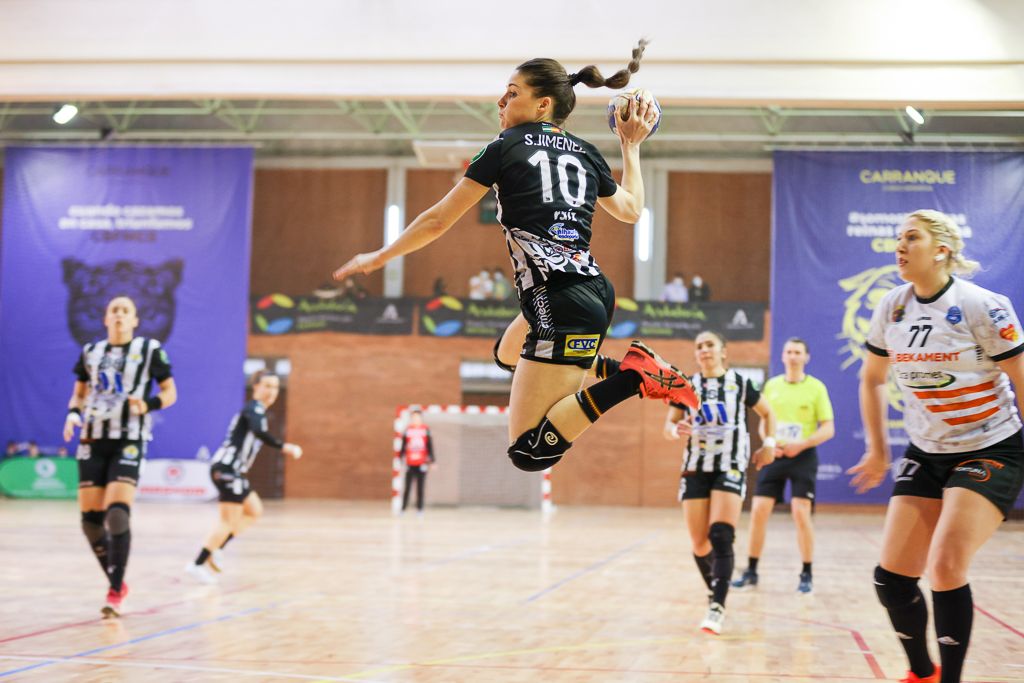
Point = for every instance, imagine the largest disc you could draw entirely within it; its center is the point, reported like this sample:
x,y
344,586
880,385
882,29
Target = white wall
x,y
737,51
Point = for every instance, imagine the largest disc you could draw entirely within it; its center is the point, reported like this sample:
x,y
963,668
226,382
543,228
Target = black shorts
x,y
801,470
568,319
106,461
694,485
232,486
995,472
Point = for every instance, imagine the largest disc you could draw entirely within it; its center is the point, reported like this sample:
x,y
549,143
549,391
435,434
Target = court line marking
x,y
862,644
999,621
96,620
151,636
586,570
178,667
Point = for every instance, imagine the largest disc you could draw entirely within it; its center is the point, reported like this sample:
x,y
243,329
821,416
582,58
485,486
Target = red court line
x,y
999,621
857,637
151,610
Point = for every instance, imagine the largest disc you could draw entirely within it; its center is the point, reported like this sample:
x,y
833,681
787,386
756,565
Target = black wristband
x,y
154,403
76,411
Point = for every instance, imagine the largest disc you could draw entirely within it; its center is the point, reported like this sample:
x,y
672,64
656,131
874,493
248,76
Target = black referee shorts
x,y
801,470
108,461
568,319
995,472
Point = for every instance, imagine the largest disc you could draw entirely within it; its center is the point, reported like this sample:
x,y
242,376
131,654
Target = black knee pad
x,y
896,590
92,526
539,448
722,536
497,361
118,518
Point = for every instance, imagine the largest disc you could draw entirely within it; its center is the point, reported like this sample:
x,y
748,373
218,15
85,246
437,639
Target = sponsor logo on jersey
x,y
581,345
954,315
561,233
733,475
998,315
548,128
480,153
130,451
979,469
929,357
1009,333
897,313
926,380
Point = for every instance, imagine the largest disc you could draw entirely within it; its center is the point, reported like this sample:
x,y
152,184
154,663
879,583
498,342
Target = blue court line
x,y
587,570
141,639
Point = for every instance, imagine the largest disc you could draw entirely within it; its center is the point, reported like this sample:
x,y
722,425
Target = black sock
x,y
230,536
120,545
203,556
908,613
601,397
752,564
605,367
96,535
806,569
704,565
954,616
723,559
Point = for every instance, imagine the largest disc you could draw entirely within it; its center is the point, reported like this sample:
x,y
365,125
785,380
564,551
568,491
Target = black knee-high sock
x,y
601,397
723,559
954,616
92,527
118,515
704,565
908,612
605,367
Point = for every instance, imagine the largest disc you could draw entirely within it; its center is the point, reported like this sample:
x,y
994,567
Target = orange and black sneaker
x,y
914,678
659,378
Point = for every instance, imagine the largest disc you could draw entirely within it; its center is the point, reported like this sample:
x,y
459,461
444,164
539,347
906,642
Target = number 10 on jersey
x,y
542,160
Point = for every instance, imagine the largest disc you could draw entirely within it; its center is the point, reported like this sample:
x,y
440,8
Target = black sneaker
x,y
806,586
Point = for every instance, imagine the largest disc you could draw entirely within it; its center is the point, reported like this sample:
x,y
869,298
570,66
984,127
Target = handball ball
x,y
619,106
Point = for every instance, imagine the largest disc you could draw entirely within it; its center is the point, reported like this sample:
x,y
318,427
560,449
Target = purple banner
x,y
167,226
834,220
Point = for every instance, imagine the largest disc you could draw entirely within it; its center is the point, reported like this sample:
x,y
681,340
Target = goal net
x,y
472,468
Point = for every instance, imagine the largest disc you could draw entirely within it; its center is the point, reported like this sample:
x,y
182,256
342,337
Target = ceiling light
x,y
915,115
65,113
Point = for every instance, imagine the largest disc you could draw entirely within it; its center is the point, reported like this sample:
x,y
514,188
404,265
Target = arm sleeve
x,y
875,341
81,374
430,447
256,416
405,440
486,165
752,394
996,327
606,185
159,364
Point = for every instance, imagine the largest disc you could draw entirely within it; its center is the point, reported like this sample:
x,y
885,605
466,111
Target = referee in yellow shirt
x,y
804,420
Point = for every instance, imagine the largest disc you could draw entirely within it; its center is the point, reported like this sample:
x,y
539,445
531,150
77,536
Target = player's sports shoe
x,y
713,619
112,608
216,561
806,586
200,573
659,378
914,678
747,581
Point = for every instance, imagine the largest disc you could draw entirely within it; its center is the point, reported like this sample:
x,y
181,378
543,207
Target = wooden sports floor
x,y
329,591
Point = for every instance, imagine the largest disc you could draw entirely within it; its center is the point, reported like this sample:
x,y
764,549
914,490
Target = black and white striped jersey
x,y
720,441
548,182
115,372
246,433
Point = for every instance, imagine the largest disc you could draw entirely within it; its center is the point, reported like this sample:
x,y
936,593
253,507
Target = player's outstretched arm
x,y
426,228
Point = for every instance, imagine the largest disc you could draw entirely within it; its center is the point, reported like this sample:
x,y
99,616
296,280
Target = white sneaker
x,y
216,561
713,620
200,573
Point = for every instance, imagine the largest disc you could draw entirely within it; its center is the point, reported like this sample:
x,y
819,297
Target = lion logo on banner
x,y
90,288
866,291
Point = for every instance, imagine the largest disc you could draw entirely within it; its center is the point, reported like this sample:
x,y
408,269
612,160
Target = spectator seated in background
x,y
12,449
353,290
501,288
675,290
481,286
33,450
699,290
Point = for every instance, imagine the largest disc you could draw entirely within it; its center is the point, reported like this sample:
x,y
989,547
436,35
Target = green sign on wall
x,y
39,477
